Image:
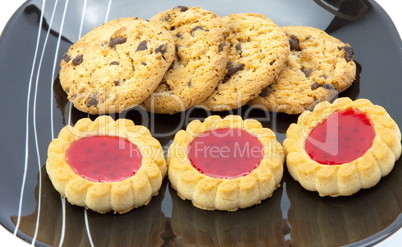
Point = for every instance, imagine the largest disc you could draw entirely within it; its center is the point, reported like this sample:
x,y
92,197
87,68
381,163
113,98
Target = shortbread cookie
x,y
225,164
258,50
343,147
319,68
117,65
201,58
106,165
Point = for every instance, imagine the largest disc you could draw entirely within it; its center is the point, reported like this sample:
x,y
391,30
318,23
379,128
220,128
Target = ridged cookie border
x,y
210,193
121,196
346,179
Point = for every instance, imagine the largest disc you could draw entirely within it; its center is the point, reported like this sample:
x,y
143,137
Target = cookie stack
x,y
186,57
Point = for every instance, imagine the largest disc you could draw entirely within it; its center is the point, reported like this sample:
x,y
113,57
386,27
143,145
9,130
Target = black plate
x,y
33,109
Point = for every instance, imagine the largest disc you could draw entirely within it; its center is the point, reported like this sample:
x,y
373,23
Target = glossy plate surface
x,y
34,109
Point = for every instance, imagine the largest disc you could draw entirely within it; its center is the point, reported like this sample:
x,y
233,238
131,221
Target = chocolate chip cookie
x,y
200,61
319,67
258,50
117,65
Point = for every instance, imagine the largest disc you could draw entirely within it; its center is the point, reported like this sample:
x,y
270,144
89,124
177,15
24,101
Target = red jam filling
x,y
104,158
225,153
343,137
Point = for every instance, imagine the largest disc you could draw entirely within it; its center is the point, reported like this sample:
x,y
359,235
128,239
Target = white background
x,y
8,8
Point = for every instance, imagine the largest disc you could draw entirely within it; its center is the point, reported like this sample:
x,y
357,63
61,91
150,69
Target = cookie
x,y
117,65
340,148
258,50
319,67
200,61
106,165
225,164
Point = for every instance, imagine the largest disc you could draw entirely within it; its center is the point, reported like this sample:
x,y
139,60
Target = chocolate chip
x,y
142,46
238,47
349,52
67,58
315,85
117,41
190,83
306,71
78,60
272,62
92,100
179,35
264,92
144,63
221,46
167,17
294,43
198,28
328,86
182,8
161,49
116,83
234,68
114,63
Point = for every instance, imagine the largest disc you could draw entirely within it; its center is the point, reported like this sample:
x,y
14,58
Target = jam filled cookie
x,y
342,147
106,165
225,164
319,67
200,61
117,65
258,50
